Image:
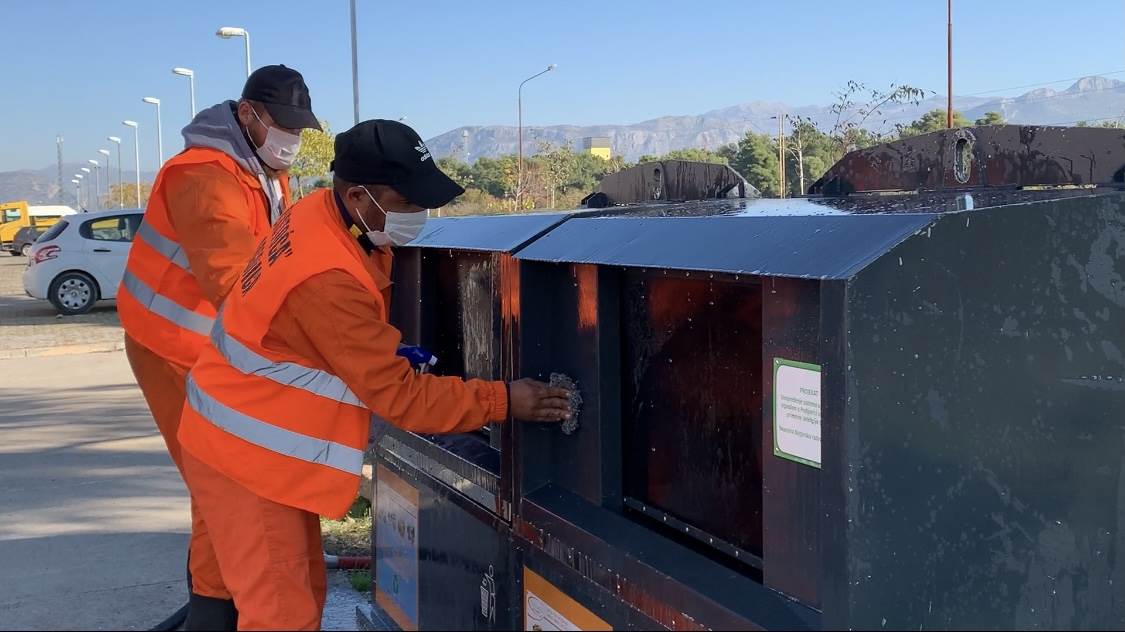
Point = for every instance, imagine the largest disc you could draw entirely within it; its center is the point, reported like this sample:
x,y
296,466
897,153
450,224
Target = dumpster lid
x,y
826,238
503,233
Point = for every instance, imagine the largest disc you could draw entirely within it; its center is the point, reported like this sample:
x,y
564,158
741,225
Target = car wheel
x,y
73,293
26,250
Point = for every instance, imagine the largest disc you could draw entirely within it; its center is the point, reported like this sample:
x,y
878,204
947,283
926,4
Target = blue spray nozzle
x,y
418,357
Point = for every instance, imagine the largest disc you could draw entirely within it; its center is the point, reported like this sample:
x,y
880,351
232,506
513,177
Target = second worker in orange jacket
x,y
279,403
209,207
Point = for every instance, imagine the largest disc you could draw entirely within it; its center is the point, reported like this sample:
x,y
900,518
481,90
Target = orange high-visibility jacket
x,y
160,301
281,424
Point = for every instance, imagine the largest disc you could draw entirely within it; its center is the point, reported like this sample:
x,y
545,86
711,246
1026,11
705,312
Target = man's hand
x,y
532,400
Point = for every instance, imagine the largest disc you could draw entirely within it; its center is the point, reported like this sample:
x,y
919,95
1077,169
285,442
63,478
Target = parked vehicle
x,y
81,259
17,214
24,239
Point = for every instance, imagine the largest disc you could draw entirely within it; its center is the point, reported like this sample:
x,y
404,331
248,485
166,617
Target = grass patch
x,y
360,580
350,535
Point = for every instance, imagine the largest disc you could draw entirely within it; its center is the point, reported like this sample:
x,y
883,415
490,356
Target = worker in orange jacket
x,y
208,208
279,403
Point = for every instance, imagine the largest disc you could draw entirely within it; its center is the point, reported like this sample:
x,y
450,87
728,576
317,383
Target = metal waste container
x,y
443,502
899,408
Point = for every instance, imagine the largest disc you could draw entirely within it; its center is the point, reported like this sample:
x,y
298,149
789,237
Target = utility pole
x,y
949,66
58,151
781,154
355,71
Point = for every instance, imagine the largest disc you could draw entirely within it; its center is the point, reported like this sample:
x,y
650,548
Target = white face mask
x,y
399,229
280,149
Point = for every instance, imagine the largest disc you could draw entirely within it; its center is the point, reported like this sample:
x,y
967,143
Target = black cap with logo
x,y
391,153
284,94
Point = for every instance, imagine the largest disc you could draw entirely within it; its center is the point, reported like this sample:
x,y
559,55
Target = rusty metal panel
x,y
986,156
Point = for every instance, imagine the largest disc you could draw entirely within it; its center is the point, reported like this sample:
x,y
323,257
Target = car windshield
x,y
52,232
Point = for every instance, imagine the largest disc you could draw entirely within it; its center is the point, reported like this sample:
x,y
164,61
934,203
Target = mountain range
x,y
1089,98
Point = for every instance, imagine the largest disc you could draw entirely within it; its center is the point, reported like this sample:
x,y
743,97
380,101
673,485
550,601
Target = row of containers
x,y
869,411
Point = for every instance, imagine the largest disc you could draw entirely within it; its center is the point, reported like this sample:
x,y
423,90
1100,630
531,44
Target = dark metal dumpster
x,y
876,411
443,503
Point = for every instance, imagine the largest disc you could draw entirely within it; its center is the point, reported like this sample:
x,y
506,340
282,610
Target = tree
x,y
314,156
848,130
125,195
696,154
559,163
990,118
932,121
756,160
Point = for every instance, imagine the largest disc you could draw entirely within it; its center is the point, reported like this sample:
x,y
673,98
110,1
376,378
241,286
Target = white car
x,y
81,259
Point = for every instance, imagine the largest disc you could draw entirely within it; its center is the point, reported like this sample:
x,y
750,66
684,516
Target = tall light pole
x,y
120,182
136,154
780,153
519,133
949,65
228,32
355,70
159,130
86,171
190,74
97,184
108,172
78,181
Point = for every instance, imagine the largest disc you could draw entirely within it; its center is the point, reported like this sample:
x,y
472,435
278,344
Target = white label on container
x,y
796,411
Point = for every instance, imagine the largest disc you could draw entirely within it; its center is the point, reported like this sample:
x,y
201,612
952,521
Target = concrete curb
x,y
43,352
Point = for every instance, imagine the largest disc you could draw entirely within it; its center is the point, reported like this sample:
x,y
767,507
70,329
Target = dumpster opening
x,y
460,318
691,366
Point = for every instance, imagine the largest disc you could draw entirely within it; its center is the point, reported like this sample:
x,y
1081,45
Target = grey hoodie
x,y
217,127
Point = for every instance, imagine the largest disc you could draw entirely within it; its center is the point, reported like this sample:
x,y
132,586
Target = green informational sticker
x,y
796,411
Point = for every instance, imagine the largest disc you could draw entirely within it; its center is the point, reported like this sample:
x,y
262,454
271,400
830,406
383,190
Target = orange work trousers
x,y
162,383
270,554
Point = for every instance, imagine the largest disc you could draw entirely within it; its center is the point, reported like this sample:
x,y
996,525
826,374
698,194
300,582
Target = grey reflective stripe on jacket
x,y
166,247
314,381
165,307
271,437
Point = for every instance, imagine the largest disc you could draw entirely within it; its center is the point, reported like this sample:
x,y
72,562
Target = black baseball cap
x,y
391,153
284,94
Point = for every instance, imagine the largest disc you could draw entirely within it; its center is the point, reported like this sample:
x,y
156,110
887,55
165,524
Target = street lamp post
x,y
136,154
78,181
120,182
86,171
108,173
519,133
228,32
97,184
159,130
355,70
78,192
190,74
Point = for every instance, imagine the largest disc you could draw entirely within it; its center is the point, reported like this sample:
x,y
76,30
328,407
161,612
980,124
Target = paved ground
x,y
93,515
32,327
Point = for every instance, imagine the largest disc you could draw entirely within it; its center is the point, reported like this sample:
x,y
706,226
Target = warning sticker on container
x,y
396,548
796,411
548,608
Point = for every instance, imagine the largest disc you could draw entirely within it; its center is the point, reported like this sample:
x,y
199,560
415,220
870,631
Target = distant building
x,y
597,146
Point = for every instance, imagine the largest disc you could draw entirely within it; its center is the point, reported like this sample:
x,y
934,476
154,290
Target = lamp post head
x,y
152,100
93,162
80,175
76,181
132,124
113,139
228,32
85,170
552,67
104,152
184,72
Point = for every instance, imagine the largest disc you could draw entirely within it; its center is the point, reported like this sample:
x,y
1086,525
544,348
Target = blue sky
x,y
79,68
